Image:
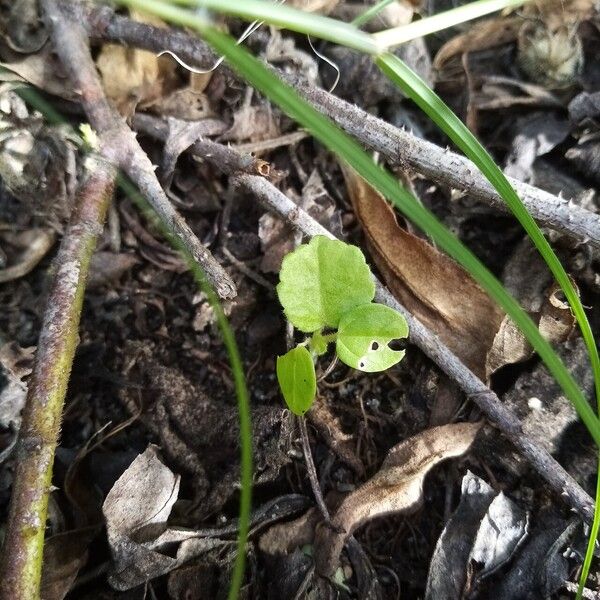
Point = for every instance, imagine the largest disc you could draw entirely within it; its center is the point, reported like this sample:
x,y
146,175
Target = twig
x,y
574,495
70,42
396,145
21,566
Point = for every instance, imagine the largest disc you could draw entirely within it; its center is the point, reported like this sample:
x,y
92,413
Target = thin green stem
x,y
241,389
32,97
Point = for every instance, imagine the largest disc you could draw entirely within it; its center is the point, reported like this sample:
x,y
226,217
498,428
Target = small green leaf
x,y
297,380
364,335
322,280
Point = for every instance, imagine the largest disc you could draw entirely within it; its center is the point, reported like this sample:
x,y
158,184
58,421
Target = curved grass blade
x,y
346,148
416,89
239,380
34,99
370,13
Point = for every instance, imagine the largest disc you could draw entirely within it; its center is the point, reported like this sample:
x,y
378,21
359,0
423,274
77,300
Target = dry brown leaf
x,y
133,77
434,288
481,36
396,488
41,70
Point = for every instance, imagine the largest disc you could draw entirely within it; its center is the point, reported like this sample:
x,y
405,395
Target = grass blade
x,y
34,99
414,87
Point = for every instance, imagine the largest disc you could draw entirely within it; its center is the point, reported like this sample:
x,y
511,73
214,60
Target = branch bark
x,y
398,146
225,158
22,552
70,42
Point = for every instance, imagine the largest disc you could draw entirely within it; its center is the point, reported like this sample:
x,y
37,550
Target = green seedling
x,y
327,285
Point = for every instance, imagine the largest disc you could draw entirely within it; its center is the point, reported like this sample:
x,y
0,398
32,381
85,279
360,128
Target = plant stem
x,y
311,470
71,44
21,567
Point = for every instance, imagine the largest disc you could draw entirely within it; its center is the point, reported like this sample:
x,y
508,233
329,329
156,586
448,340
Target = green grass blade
x,y
34,99
346,34
370,13
414,87
346,148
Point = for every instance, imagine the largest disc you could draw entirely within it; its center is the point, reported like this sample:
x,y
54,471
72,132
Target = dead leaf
x,y
481,536
136,511
133,77
480,36
16,363
64,555
396,488
24,31
41,69
527,278
433,287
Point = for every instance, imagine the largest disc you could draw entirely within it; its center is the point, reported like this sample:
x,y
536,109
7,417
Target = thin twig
x,y
396,145
312,470
20,570
224,157
70,42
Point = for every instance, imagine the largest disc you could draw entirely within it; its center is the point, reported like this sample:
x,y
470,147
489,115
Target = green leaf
x,y
322,280
297,379
364,335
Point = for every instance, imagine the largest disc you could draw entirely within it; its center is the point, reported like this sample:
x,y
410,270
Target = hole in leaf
x,y
374,346
398,344
361,364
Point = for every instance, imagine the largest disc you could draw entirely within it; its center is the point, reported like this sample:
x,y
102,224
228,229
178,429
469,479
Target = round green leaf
x,y
364,334
322,280
297,379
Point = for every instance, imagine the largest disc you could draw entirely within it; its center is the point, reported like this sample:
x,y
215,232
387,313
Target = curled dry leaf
x,y
527,278
480,537
396,488
136,511
433,287
481,36
133,77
